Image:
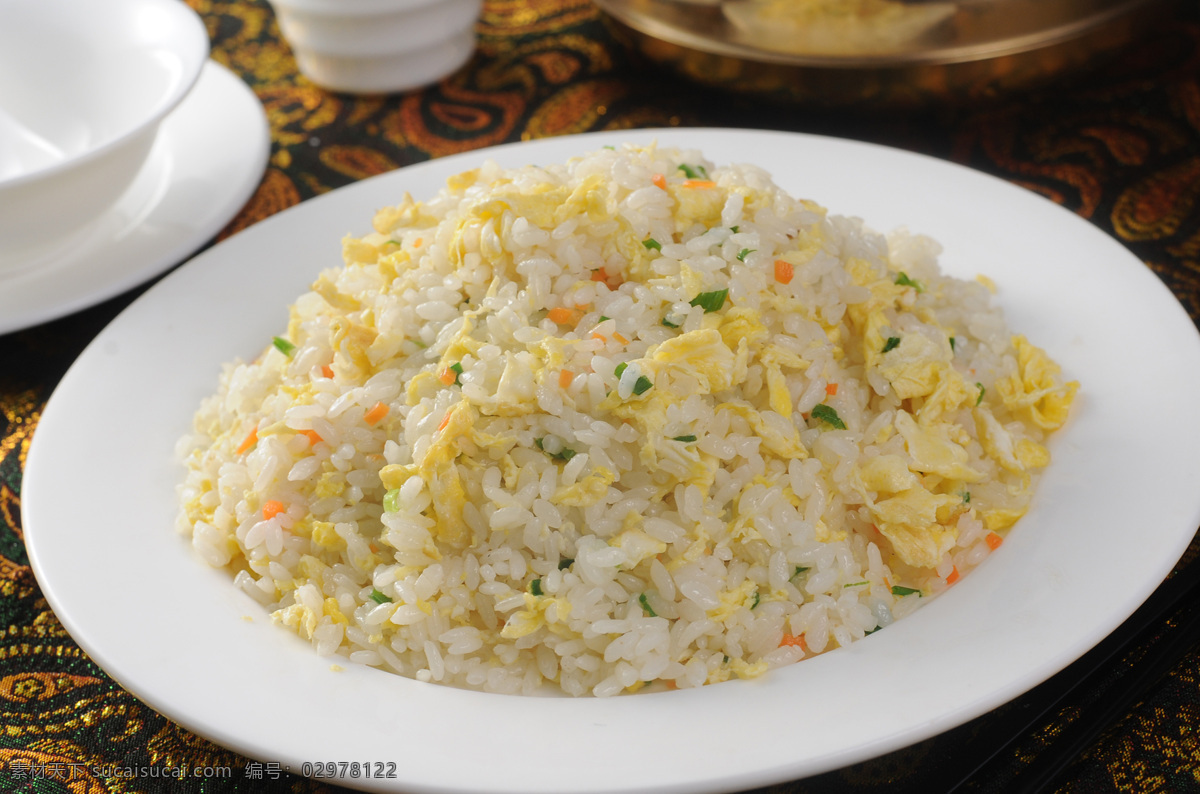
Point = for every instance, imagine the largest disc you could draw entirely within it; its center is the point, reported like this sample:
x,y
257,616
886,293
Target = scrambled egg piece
x,y
932,450
537,613
1033,391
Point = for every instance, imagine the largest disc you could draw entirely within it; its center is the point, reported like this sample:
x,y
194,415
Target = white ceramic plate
x,y
208,158
1114,513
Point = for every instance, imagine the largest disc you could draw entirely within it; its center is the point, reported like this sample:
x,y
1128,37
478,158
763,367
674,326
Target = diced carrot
x,y
564,378
375,413
448,376
599,275
445,421
417,242
620,338
272,508
699,183
659,181
374,549
953,577
561,315
327,371
831,389
250,440
313,437
601,337
796,640
784,272
993,540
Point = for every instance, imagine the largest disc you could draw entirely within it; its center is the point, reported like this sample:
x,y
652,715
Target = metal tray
x,y
888,52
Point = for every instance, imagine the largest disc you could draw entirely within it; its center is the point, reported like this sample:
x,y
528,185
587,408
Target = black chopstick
x,y
1178,597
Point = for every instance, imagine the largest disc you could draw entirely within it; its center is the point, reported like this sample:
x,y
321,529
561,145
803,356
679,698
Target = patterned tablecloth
x,y
1119,146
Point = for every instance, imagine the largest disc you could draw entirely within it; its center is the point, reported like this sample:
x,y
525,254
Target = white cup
x,y
378,46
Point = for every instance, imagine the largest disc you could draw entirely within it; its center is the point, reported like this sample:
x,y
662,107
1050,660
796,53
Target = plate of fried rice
x,y
688,460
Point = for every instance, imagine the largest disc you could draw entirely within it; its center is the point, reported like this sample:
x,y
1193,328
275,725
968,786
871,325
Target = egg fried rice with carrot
x,y
629,420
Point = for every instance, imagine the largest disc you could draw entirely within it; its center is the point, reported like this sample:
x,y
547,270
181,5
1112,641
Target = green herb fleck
x,y
535,587
982,391
710,301
725,659
620,368
652,244
669,324
378,597
565,563
872,631
603,317
457,369
757,598
828,415
419,343
733,229
799,570
613,148
904,281
693,172
854,584
685,439
892,343
952,343
642,385
646,606
966,497
897,590
742,254
564,454
283,345
391,501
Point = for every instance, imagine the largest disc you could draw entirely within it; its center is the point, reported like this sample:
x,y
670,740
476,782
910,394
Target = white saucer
x,y
206,163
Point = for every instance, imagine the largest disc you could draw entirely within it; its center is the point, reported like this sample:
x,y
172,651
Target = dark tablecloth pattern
x,y
1120,146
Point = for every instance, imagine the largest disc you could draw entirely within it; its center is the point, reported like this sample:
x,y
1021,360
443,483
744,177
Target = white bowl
x,y
83,87
378,46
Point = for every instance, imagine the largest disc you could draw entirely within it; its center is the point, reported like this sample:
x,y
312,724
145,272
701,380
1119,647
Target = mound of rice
x,y
629,419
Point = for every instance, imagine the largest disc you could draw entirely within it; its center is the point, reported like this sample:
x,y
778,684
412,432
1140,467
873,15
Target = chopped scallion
x,y
966,497
620,368
642,385
733,229
669,324
566,453
903,591
799,570
904,281
603,318
710,301
565,563
652,244
378,597
693,172
283,345
685,439
535,587
854,584
742,254
755,600
646,606
892,343
982,391
457,369
952,343
828,415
